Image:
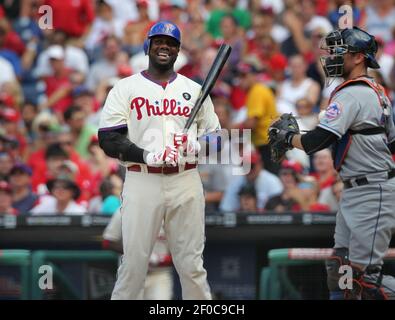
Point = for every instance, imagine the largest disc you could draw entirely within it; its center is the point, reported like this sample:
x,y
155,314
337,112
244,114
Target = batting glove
x,y
168,156
189,146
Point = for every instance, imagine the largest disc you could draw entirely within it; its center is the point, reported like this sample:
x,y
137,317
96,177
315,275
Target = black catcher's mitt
x,y
281,132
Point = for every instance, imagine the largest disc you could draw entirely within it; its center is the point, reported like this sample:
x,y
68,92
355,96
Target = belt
x,y
364,181
162,170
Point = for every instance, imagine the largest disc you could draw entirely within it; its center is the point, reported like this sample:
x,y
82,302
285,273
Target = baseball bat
x,y
208,83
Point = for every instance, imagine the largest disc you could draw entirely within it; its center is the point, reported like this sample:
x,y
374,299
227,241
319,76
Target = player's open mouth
x,y
163,55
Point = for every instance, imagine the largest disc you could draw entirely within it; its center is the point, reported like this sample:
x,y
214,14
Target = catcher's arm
x,y
314,140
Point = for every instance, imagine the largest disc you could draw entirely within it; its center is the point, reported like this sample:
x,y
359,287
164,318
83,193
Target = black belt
x,y
363,181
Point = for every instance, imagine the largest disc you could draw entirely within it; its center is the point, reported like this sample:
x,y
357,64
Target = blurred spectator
x,y
10,9
232,36
6,199
106,67
81,171
7,73
73,17
23,198
380,18
266,184
193,68
85,99
261,110
248,199
55,161
45,127
62,200
58,84
128,10
308,119
6,164
264,25
9,39
110,201
29,113
47,165
297,87
104,25
291,196
264,47
195,29
135,31
222,8
25,24
326,177
10,121
74,57
324,171
301,19
385,61
80,130
308,200
100,165
174,11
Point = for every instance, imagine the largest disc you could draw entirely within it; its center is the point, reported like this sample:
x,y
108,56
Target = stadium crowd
x,y
54,81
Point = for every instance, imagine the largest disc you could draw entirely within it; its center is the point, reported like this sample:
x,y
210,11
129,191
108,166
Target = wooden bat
x,y
208,84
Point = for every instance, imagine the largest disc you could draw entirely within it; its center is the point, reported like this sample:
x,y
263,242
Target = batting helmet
x,y
162,28
339,42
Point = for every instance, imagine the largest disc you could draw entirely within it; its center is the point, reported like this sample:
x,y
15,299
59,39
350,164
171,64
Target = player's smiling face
x,y
163,52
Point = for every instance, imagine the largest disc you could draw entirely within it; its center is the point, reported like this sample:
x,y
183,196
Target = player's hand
x,y
168,156
189,146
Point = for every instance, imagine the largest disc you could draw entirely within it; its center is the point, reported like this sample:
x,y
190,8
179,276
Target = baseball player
x,y
358,123
141,125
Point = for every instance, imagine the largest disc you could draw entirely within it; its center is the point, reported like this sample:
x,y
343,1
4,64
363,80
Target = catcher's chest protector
x,y
341,146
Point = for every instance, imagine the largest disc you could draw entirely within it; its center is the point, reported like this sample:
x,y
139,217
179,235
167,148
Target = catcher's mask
x,y
339,42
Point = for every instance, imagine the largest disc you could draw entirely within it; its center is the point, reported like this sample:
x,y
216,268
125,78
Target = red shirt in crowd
x,y
72,16
83,178
13,42
54,83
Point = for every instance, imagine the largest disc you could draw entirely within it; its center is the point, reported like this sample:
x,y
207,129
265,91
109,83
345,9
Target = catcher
x,y
358,124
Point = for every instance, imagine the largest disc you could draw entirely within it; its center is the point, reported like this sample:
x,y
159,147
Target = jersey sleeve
x,y
115,113
207,120
340,113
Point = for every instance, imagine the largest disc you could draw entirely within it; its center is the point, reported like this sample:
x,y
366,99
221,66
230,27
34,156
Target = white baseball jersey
x,y
146,110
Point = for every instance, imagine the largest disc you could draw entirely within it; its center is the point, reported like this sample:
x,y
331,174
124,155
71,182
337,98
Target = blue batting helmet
x,y
162,28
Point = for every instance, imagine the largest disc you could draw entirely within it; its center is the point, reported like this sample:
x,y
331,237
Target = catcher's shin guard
x,y
372,284
366,285
333,264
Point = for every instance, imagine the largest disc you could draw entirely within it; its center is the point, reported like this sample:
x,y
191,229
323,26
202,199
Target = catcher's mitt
x,y
281,132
